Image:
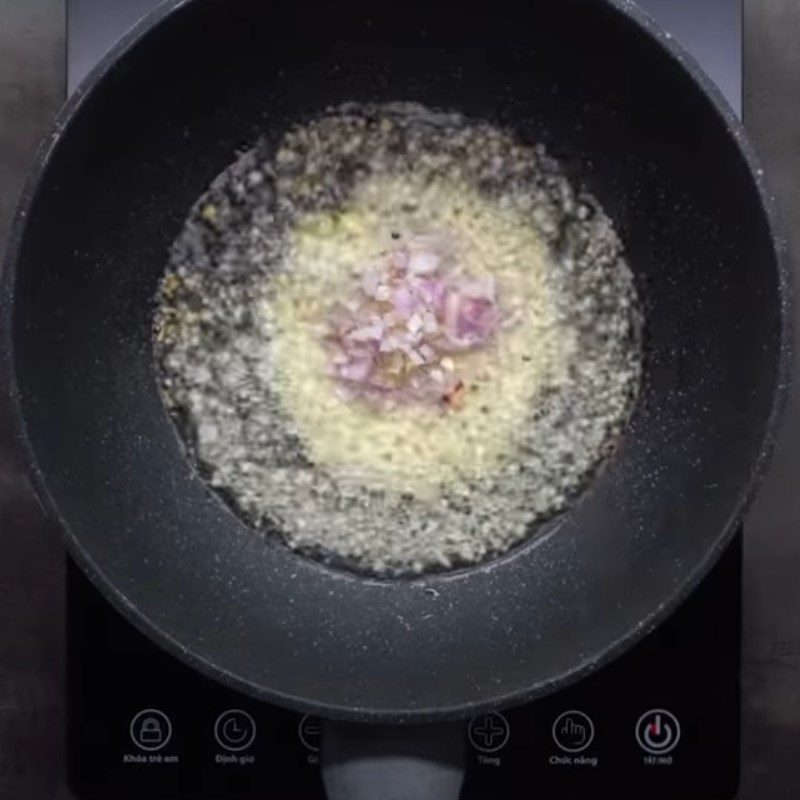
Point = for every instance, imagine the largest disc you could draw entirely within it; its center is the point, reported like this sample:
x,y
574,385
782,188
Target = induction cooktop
x,y
660,722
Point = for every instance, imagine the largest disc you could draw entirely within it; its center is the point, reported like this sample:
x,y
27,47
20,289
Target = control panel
x,y
662,721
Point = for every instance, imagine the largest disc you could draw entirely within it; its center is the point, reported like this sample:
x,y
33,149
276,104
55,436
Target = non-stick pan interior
x,y
627,120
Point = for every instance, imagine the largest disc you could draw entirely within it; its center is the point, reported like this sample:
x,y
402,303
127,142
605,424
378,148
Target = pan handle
x,y
392,762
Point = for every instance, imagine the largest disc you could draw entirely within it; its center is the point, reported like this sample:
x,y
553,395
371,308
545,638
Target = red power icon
x,y
657,731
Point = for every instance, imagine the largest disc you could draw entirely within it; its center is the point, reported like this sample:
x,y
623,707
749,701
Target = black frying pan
x,y
630,118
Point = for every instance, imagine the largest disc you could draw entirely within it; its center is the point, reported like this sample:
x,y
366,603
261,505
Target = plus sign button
x,y
489,733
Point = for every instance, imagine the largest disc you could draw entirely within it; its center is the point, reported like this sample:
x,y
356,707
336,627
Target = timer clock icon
x,y
235,730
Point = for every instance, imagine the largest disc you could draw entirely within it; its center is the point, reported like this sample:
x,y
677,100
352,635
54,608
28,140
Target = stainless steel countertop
x,y
32,85
771,654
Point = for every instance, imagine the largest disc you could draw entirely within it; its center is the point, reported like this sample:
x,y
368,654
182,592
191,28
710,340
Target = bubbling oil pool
x,y
285,232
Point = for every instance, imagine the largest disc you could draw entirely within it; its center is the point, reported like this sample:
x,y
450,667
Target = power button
x,y
658,731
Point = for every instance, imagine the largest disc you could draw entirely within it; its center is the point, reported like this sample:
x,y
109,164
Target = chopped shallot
x,y
400,355
423,263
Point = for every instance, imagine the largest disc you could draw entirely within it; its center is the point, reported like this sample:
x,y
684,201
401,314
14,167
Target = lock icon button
x,y
150,729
